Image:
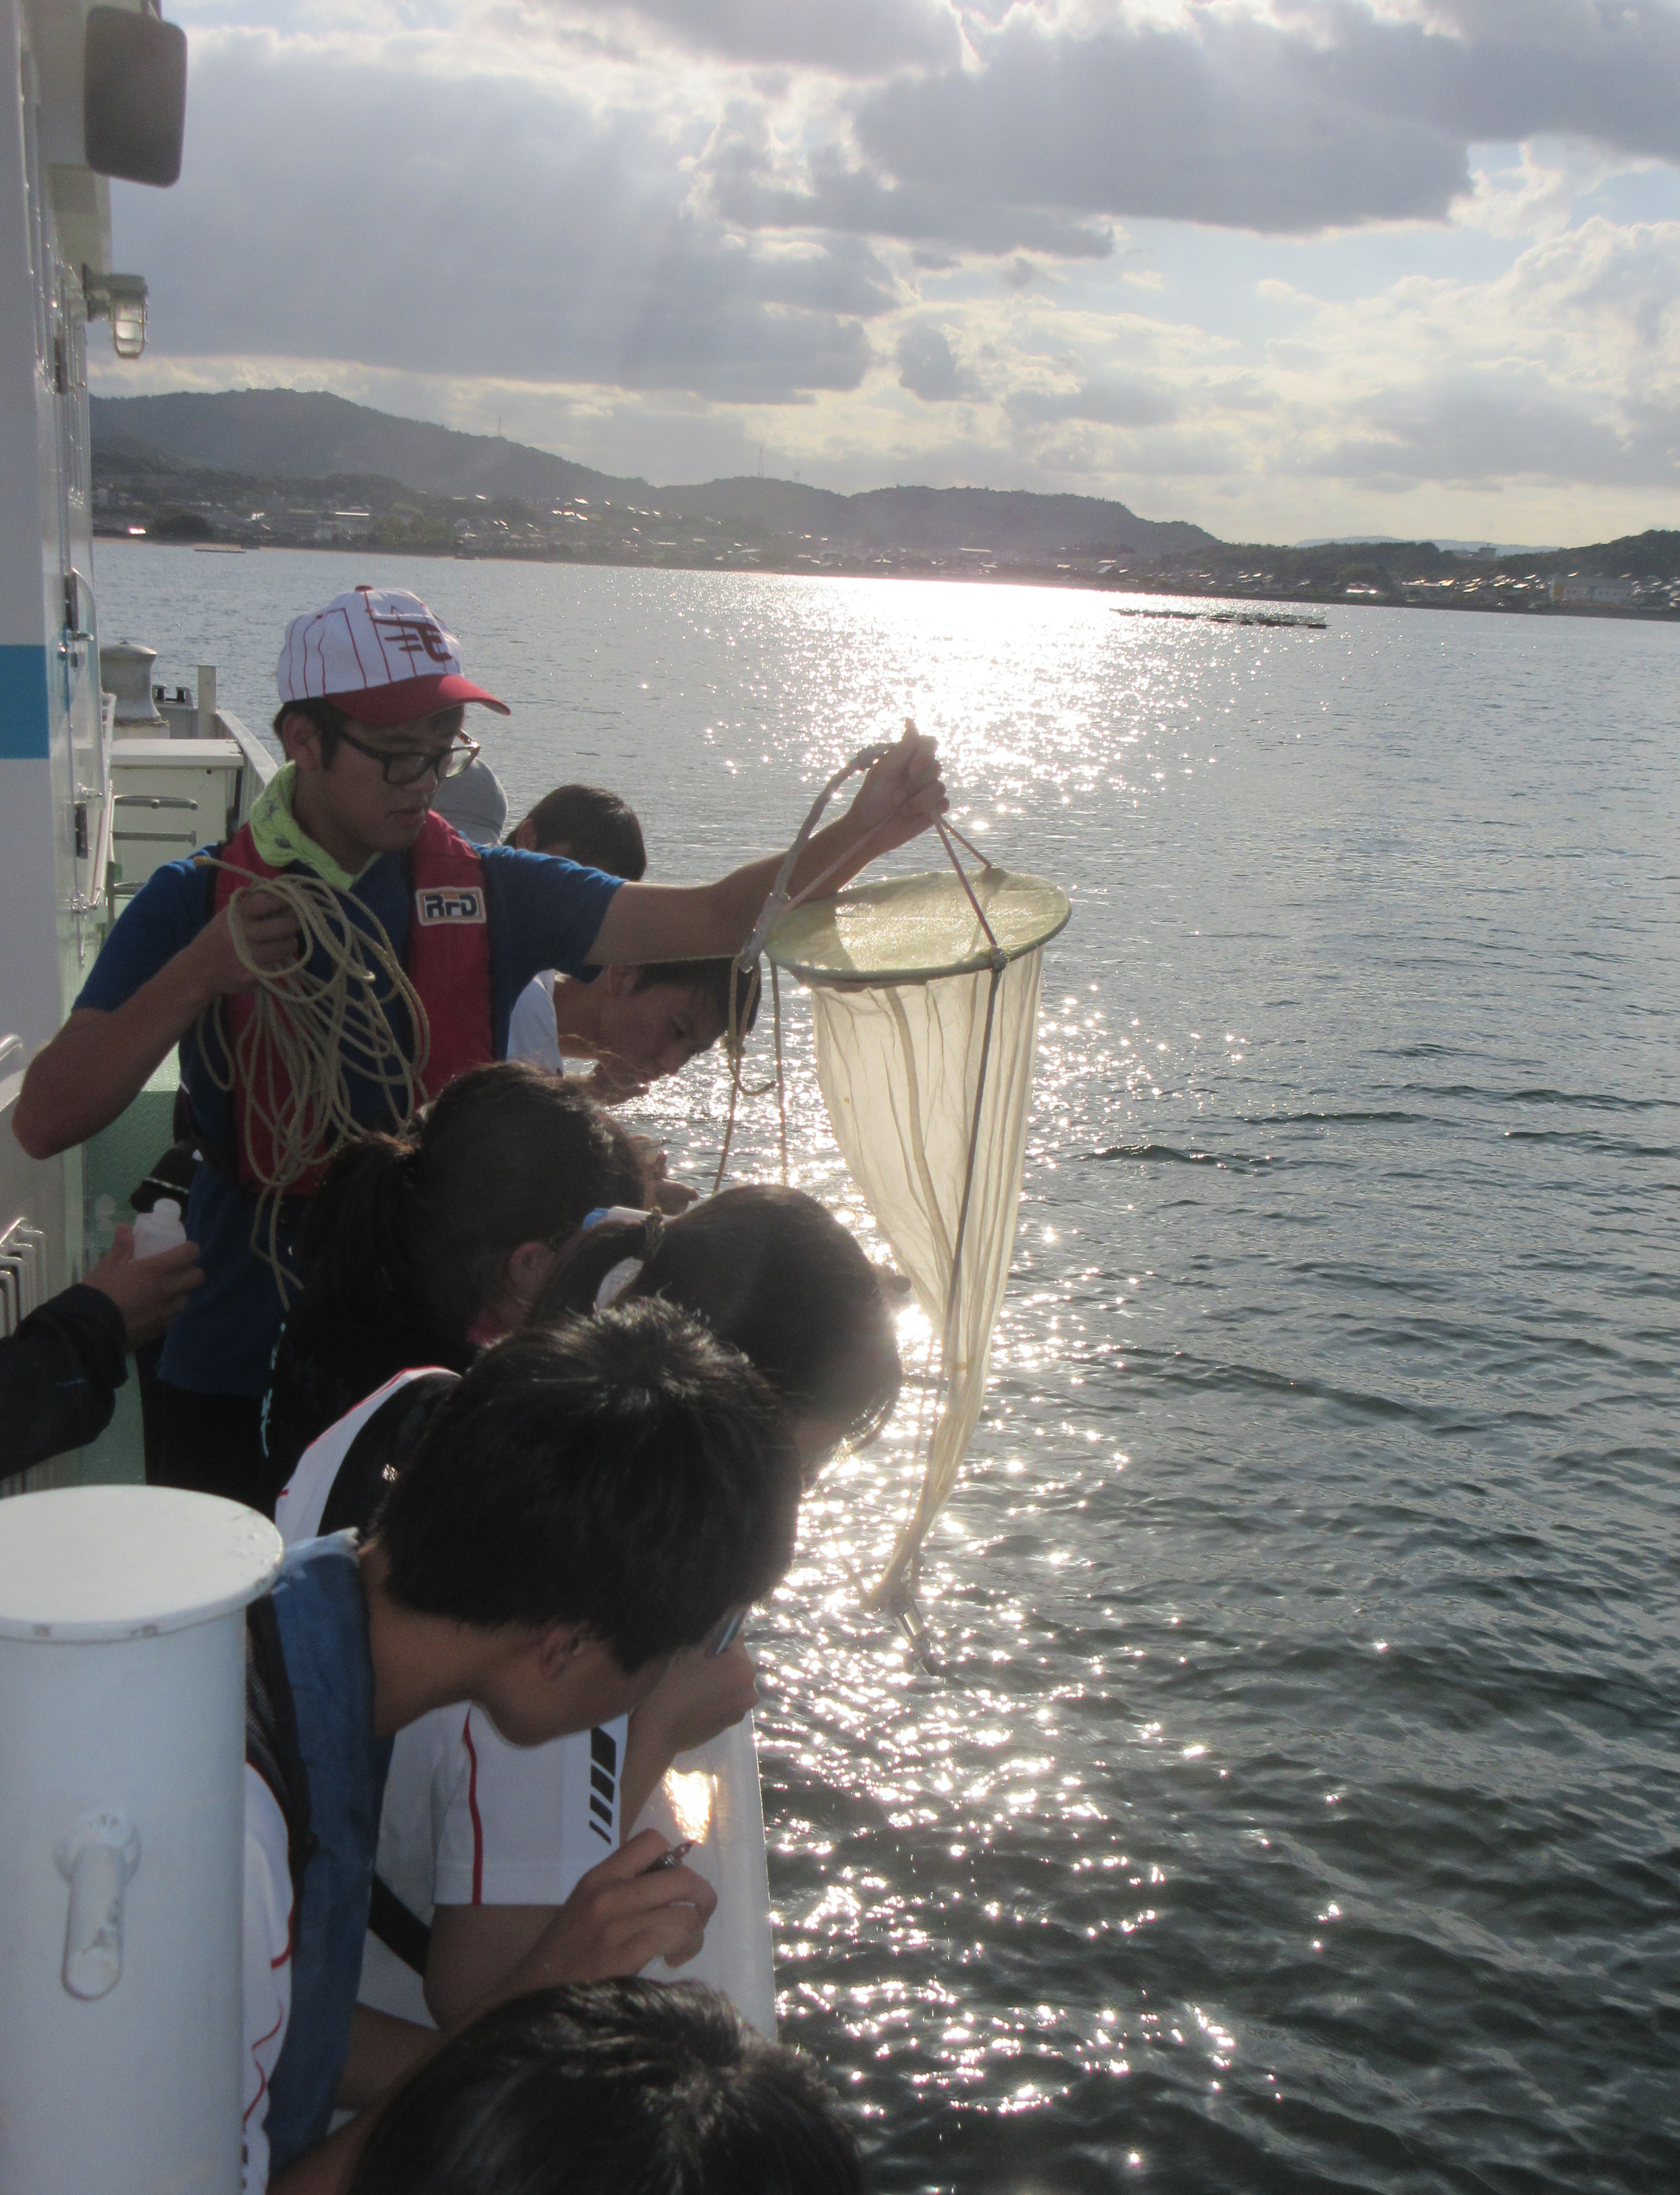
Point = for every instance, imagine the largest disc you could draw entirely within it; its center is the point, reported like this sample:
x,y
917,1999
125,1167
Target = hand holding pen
x,y
640,1905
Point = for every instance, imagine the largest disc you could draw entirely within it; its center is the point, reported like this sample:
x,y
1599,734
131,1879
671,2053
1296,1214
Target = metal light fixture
x,y
123,297
128,324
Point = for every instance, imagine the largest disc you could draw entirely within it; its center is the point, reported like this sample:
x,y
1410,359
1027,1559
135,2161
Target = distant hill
x,y
298,434
306,435
291,467
1014,522
1482,548
985,517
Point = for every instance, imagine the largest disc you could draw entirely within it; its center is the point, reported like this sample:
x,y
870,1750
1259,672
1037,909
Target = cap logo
x,y
449,903
413,637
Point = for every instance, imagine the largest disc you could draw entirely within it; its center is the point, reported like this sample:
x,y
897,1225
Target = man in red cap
x,y
372,701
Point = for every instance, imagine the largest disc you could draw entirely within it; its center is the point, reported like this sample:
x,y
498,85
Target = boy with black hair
x,y
637,1023
599,2090
580,1507
588,824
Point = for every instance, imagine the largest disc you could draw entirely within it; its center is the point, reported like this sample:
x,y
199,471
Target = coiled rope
x,y
315,1022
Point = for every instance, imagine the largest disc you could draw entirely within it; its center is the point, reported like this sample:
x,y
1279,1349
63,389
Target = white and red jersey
x,y
303,1500
267,1965
468,1819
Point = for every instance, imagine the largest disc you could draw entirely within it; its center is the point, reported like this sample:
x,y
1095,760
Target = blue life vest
x,y
321,1614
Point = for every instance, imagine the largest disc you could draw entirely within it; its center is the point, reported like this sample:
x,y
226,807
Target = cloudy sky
x,y
1282,267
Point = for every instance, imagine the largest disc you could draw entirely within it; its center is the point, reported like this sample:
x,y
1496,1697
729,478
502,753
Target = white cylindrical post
x,y
122,1837
206,701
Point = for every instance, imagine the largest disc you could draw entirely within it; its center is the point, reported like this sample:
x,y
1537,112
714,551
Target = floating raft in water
x,y
1230,617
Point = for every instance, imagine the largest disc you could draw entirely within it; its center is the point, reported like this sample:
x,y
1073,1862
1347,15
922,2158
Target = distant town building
x,y
1587,592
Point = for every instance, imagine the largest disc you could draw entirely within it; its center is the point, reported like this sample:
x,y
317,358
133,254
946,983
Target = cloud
x,y
398,216
929,369
1287,120
1502,71
632,226
861,38
835,192
1103,403
1564,370
1230,120
1596,309
1489,432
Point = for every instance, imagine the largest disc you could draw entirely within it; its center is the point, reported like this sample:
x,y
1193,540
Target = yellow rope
x,y
781,1078
308,1031
743,987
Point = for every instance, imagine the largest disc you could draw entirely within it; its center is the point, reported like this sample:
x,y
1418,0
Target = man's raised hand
x,y
902,793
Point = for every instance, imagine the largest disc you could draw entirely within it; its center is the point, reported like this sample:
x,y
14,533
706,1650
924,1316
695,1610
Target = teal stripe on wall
x,y
23,704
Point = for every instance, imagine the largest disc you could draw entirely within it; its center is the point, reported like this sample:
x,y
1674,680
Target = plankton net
x,y
925,1000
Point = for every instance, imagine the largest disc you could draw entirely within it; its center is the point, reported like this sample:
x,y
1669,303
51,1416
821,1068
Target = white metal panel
x,y
49,705
170,798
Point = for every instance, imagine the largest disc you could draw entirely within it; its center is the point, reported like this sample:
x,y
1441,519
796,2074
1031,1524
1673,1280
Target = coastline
x,y
840,567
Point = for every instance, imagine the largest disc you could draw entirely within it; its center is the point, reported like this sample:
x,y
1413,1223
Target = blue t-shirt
x,y
543,912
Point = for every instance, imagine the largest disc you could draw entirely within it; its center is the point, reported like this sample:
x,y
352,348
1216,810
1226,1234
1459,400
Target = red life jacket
x,y
446,958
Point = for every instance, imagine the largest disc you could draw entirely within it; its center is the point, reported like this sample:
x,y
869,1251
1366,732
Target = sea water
x,y
1293,1804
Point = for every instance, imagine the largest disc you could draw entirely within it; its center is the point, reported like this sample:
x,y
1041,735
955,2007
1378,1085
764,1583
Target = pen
x,y
674,1858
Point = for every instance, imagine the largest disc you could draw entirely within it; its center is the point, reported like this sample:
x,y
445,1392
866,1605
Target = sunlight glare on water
x,y
1289,1801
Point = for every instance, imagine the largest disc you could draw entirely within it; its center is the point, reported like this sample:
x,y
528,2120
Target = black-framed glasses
x,y
408,765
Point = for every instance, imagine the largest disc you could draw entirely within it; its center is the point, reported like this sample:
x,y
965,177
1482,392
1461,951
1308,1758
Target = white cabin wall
x,y
50,903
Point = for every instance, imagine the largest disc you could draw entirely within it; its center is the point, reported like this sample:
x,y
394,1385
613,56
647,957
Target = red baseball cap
x,y
379,655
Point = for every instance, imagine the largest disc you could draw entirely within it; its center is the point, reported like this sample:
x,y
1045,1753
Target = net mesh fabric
x,y
928,1084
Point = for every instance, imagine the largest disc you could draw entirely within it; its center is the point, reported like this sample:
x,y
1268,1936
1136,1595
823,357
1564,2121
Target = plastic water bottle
x,y
159,1229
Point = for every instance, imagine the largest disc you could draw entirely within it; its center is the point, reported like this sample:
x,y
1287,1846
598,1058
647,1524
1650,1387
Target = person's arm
x,y
60,1371
383,2050
59,1376
700,1695
148,1292
618,1917
473,1946
330,2166
100,1061
898,800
